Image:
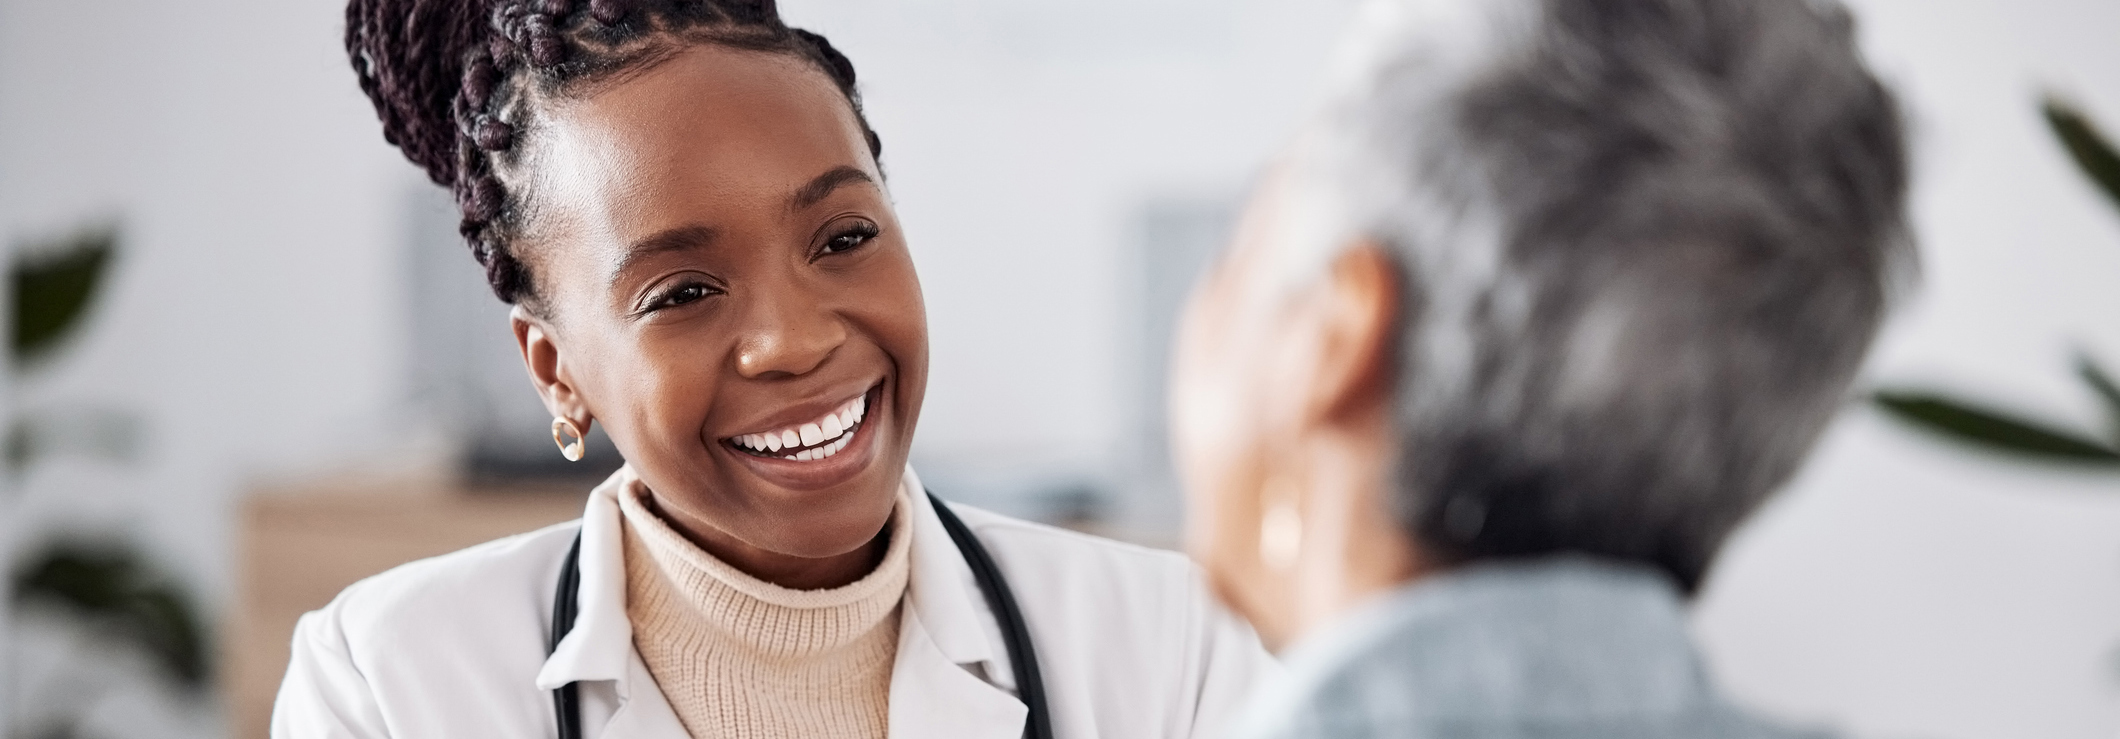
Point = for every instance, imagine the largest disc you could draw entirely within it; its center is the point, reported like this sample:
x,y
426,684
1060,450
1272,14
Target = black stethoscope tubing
x,y
1015,634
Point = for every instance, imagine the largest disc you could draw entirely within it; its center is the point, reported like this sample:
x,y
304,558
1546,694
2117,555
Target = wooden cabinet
x,y
300,547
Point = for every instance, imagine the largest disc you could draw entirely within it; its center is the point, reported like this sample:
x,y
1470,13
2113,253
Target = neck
x,y
1355,548
779,568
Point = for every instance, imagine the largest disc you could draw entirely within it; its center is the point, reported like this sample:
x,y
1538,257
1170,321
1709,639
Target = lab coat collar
x,y
602,640
931,696
945,596
950,679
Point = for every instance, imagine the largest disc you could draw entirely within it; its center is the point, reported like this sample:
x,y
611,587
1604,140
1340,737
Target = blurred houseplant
x,y
100,585
2011,432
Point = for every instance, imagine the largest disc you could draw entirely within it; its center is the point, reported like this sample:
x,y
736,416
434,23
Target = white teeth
x,y
834,447
836,428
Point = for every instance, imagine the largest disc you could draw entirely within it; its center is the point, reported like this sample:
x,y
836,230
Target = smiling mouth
x,y
818,439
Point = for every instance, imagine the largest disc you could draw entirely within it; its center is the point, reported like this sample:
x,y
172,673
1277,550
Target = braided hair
x,y
454,80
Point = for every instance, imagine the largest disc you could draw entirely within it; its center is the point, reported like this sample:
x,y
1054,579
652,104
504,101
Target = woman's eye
x,y
681,295
850,240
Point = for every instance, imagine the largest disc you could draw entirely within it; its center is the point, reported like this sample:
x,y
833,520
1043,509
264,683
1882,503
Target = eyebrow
x,y
684,238
681,238
821,187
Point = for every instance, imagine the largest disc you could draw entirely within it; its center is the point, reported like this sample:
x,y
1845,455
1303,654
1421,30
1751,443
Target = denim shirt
x,y
1558,648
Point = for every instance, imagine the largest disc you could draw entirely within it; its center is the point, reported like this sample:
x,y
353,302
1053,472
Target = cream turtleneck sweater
x,y
740,657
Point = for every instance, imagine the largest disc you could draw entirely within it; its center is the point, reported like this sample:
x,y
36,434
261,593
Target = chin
x,y
829,523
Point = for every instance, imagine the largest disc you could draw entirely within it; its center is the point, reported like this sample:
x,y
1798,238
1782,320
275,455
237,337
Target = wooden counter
x,y
300,547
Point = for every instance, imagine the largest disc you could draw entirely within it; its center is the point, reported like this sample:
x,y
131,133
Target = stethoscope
x,y
1030,686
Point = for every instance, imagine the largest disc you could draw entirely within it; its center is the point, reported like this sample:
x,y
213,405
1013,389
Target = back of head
x,y
1644,246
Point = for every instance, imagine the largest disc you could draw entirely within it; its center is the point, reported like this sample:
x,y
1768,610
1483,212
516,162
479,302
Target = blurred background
x,y
251,363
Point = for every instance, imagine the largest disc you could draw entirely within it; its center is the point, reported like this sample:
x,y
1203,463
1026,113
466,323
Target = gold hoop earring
x,y
1280,526
571,450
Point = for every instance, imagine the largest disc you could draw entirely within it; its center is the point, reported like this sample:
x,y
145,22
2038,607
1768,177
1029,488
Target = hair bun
x,y
410,55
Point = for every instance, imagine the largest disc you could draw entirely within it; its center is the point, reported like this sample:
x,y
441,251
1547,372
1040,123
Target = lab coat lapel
x,y
947,597
932,696
947,638
952,677
644,713
602,637
619,698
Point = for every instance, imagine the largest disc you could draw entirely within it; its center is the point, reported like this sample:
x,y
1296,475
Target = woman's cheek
x,y
675,381
904,324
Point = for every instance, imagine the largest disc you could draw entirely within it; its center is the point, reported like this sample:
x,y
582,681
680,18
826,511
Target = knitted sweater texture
x,y
740,657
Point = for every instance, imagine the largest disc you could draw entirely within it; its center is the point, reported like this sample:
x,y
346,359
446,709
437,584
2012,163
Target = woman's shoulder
x,y
1101,583
401,653
1025,544
1130,629
455,588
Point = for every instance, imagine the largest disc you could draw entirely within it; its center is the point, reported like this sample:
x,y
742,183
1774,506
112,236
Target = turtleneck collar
x,y
775,620
740,657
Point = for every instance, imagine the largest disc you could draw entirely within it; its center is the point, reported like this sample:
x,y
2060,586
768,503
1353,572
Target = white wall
x,y
1904,588
1901,589
1021,140
250,321
251,318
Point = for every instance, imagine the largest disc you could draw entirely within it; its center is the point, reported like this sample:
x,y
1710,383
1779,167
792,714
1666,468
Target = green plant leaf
x,y
1993,430
106,587
54,286
2091,150
2101,382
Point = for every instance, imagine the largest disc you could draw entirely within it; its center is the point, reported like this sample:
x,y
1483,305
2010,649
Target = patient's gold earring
x,y
571,450
1280,525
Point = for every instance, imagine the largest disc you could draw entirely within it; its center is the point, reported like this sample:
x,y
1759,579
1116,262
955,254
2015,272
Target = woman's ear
x,y
1357,325
548,367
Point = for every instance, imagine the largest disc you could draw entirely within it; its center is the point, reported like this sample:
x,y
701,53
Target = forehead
x,y
705,130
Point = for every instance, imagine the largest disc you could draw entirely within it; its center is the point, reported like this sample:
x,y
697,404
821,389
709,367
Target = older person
x,y
1549,298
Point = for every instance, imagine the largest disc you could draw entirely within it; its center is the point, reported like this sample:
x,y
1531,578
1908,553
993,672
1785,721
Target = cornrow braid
x,y
452,80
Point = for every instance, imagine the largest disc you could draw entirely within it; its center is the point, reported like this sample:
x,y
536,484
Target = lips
x,y
814,440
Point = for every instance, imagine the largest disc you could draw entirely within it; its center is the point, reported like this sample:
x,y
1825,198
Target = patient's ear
x,y
1356,323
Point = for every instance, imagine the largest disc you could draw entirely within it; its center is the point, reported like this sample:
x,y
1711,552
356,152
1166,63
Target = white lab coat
x,y
1127,638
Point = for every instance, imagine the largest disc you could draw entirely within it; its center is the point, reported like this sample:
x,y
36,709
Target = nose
x,y
791,335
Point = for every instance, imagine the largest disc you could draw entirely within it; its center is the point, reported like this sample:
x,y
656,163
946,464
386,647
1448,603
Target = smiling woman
x,y
685,205
712,256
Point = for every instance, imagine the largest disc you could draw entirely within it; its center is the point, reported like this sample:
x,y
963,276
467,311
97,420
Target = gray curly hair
x,y
1644,246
